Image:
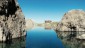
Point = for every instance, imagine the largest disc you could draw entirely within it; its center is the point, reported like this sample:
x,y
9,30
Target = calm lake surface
x,y
42,38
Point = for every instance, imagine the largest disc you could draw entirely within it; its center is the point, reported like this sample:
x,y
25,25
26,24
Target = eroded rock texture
x,y
12,20
73,20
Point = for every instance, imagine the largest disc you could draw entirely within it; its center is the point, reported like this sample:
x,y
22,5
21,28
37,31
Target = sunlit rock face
x,y
29,24
12,20
73,20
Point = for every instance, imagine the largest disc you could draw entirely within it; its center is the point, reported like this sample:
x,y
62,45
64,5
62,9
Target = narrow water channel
x,y
42,38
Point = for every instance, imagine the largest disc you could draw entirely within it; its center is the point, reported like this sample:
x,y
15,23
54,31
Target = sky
x,y
41,10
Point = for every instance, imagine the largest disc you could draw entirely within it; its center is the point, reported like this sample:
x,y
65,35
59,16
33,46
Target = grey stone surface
x,y
12,19
73,20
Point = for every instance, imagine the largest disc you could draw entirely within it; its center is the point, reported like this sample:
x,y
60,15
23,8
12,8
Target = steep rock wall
x,y
12,20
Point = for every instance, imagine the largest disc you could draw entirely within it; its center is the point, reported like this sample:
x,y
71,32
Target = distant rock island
x,y
73,20
48,24
12,20
29,24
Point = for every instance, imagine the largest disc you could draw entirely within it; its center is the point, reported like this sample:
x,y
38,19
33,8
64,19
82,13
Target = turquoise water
x,y
42,38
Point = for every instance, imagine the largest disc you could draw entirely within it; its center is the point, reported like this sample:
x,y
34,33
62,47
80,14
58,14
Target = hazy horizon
x,y
41,10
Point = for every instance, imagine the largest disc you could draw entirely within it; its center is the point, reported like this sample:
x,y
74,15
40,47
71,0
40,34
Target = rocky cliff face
x,y
73,20
12,20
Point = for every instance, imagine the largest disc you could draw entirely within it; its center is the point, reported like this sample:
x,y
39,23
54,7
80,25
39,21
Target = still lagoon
x,y
40,37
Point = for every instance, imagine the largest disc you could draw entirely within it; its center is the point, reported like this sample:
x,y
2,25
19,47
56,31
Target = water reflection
x,y
47,28
43,38
16,43
72,39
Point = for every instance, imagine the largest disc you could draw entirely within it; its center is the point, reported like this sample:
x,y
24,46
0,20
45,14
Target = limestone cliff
x,y
12,20
73,20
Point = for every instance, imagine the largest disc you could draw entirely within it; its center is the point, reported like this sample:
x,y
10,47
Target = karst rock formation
x,y
12,20
73,20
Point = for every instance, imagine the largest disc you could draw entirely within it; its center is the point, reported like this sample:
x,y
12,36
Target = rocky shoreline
x,y
73,21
